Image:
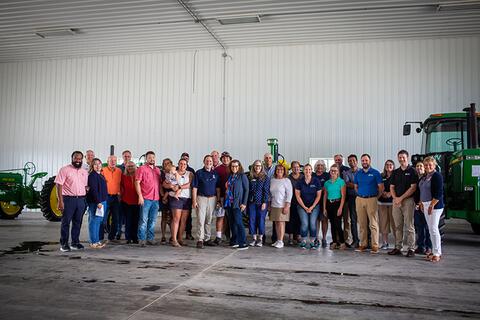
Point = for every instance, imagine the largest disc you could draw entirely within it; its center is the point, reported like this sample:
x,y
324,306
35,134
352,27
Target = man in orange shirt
x,y
113,176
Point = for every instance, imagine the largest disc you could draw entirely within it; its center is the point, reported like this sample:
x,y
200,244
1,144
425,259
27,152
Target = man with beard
x,y
349,176
369,187
126,156
147,185
347,231
71,182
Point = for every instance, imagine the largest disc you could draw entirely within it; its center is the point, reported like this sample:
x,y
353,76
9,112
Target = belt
x,y
334,200
78,197
113,195
201,195
366,197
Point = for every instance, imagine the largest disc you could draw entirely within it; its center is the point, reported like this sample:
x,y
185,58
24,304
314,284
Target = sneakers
x,y
242,247
313,246
303,244
217,241
324,243
142,243
77,246
259,243
253,243
384,246
199,244
395,252
65,248
235,246
275,243
279,244
209,243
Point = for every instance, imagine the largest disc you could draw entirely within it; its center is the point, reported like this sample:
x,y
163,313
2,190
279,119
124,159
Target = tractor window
x,y
445,136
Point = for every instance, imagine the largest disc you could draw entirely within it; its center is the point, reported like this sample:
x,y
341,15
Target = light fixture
x,y
56,32
458,5
239,19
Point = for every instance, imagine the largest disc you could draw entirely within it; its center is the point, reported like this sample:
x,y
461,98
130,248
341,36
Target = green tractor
x,y
15,193
452,139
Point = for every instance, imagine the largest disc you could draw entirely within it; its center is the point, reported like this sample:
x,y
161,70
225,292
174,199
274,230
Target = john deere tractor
x,y
16,193
452,139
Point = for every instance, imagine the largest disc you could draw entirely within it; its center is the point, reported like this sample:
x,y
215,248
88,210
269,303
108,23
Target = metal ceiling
x,y
113,27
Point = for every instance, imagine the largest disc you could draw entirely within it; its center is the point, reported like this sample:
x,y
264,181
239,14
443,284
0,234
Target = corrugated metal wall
x,y
317,99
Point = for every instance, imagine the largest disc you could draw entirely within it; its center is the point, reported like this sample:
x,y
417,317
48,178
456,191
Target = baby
x,y
172,177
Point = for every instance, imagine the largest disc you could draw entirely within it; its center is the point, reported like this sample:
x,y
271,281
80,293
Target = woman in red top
x,y
130,205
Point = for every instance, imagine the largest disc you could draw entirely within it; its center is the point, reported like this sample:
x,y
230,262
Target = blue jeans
x,y
94,222
256,218
235,220
424,241
147,220
308,222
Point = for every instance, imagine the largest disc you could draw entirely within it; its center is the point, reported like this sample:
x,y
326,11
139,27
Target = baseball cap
x,y
225,154
185,154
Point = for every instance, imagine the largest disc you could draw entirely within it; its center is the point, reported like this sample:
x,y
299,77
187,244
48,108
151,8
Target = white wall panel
x,y
317,99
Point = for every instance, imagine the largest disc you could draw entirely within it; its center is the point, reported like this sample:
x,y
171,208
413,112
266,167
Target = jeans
x,y
421,228
256,218
235,220
111,209
94,222
74,209
308,222
131,212
433,221
147,220
353,217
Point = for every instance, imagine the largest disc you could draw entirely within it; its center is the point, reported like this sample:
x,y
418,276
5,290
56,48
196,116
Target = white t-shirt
x,y
281,192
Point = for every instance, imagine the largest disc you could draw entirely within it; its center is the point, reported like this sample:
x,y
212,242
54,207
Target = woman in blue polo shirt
x,y
308,192
259,189
333,201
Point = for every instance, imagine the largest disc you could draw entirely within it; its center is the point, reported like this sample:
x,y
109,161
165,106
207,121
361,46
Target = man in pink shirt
x,y
147,185
71,184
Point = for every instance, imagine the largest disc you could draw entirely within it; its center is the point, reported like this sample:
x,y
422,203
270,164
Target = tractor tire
x,y
49,201
476,228
441,224
9,211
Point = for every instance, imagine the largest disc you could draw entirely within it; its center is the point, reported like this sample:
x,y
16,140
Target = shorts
x,y
277,215
180,204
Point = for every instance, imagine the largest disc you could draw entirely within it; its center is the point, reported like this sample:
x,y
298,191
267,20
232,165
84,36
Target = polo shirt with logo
x,y
368,182
308,191
403,179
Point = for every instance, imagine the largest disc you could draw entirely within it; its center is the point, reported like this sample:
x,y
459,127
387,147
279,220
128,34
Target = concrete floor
x,y
161,282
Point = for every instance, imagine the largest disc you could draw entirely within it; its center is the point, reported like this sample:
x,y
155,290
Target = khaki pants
x,y
347,230
204,217
403,217
385,219
367,211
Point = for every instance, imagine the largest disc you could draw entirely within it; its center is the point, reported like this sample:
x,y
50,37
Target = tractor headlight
x,y
468,188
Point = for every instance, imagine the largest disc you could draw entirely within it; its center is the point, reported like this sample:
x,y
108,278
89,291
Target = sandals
x,y
176,244
429,257
435,259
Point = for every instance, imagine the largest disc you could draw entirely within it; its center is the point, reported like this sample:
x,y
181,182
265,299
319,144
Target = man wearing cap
x,y
71,184
222,171
369,186
188,228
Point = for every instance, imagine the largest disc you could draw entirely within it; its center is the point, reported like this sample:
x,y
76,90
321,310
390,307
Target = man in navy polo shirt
x,y
402,188
369,186
205,197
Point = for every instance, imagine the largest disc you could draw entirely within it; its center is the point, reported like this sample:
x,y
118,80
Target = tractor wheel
x,y
9,211
49,201
441,224
476,228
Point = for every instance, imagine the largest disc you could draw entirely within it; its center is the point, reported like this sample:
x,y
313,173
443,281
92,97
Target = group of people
x,y
360,203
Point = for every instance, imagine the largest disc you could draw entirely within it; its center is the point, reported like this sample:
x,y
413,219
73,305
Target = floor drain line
x,y
179,285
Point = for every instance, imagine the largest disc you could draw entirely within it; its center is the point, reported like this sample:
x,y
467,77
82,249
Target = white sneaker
x,y
252,244
258,243
235,246
279,244
275,243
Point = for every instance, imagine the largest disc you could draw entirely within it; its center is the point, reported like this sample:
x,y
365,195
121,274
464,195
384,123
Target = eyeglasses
x,y
234,166
258,166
